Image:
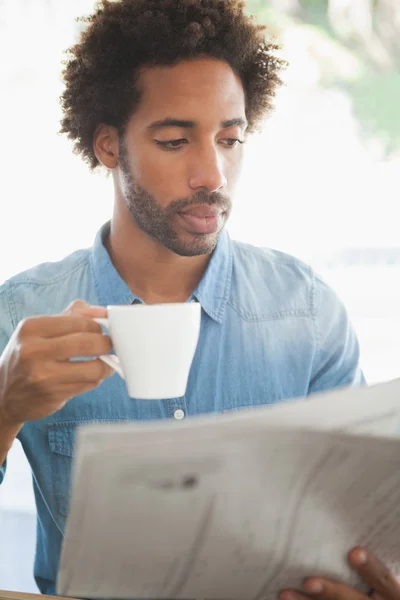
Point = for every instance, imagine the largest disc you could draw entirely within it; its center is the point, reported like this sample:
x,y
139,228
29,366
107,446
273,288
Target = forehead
x,y
204,90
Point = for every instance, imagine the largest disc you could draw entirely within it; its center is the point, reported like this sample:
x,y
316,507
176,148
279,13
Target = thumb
x,y
82,308
375,596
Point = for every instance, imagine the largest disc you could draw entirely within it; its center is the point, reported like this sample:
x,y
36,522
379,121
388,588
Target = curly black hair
x,y
124,36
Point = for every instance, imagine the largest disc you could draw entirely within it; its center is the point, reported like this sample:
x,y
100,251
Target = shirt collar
x,y
110,287
214,288
212,291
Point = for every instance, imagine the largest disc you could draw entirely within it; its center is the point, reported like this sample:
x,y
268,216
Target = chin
x,y
195,245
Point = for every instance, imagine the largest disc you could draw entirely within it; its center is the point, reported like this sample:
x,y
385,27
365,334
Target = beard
x,y
160,223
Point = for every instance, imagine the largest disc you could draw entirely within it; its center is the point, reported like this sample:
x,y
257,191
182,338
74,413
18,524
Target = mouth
x,y
202,219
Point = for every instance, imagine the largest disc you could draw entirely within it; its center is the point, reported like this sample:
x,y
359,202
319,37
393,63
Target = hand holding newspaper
x,y
238,506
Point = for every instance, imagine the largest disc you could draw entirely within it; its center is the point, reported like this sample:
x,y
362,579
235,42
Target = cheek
x,y
162,176
232,170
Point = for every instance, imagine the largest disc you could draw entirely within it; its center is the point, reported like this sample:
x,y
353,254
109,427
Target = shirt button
x,y
179,414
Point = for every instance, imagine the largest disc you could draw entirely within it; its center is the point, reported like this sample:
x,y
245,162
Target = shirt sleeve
x,y
337,356
6,328
3,471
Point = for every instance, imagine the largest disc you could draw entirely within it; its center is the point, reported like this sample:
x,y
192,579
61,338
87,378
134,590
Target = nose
x,y
207,172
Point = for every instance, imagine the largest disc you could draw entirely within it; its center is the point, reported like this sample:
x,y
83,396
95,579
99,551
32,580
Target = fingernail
x,y
314,586
362,557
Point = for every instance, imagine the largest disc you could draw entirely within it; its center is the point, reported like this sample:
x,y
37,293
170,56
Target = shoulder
x,y
271,283
46,288
50,273
272,262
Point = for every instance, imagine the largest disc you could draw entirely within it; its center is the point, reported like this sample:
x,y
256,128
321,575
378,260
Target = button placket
x,y
179,414
177,409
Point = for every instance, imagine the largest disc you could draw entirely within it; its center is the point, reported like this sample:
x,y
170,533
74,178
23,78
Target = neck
x,y
151,271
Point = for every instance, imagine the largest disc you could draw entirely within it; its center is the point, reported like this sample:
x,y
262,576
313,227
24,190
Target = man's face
x,y
181,155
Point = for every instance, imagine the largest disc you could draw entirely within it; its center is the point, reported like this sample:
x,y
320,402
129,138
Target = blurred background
x,y
321,182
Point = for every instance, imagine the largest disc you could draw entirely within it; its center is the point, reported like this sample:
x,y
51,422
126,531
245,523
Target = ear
x,y
105,145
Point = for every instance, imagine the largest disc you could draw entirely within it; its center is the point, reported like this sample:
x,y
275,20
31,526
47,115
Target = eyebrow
x,y
184,124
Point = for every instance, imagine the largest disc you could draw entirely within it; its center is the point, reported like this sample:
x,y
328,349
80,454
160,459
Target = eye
x,y
171,144
231,142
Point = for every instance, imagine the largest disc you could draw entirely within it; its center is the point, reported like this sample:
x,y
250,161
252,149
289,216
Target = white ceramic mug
x,y
154,347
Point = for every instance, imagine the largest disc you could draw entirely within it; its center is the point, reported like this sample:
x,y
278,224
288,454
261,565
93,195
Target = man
x,y
162,94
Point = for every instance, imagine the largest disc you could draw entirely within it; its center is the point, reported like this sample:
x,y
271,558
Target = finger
x,y
79,307
375,573
65,392
77,345
375,596
56,326
86,371
70,391
292,595
66,347
328,589
50,376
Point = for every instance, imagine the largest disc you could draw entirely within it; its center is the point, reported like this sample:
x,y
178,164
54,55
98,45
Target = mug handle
x,y
110,359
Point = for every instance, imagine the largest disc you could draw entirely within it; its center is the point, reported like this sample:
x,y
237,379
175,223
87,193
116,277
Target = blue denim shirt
x,y
271,330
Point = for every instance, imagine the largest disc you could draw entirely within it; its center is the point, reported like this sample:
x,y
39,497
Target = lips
x,y
202,211
202,219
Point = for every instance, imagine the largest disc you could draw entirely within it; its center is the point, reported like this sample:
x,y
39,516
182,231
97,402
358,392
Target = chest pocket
x,y
62,449
61,442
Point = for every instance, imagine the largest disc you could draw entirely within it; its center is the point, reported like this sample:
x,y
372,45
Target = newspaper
x,y
235,507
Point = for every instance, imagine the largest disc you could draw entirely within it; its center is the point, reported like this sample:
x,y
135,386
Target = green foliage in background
x,y
377,105
371,40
